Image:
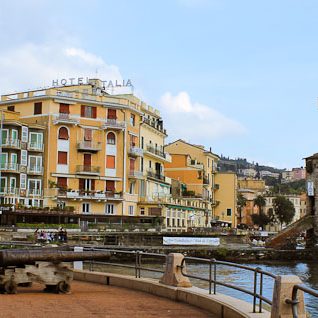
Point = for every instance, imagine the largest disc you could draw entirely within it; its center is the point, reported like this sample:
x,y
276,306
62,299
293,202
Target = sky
x,y
238,76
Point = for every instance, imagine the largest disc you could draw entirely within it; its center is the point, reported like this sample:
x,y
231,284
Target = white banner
x,y
214,241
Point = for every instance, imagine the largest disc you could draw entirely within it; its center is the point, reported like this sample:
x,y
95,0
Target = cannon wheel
x,y
63,287
10,287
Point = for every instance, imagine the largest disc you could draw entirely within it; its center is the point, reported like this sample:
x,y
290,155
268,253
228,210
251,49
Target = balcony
x,y
11,143
34,146
155,124
89,146
9,191
9,167
134,174
88,170
158,153
90,195
155,175
34,192
66,119
206,180
114,124
135,151
35,170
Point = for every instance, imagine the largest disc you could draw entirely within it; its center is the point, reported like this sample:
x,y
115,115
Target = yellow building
x,y
99,153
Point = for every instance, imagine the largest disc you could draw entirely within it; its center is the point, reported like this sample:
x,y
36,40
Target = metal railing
x,y
88,169
256,293
34,146
294,300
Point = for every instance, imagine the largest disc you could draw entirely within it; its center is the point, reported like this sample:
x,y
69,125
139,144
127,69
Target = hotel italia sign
x,y
85,80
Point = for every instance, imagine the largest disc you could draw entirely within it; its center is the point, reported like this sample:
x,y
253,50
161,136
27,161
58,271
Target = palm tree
x,y
241,202
260,202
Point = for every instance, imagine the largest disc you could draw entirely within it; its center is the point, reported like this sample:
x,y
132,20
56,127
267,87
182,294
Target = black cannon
x,y
21,267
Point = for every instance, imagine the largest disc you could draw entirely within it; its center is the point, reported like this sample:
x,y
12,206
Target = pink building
x,y
298,173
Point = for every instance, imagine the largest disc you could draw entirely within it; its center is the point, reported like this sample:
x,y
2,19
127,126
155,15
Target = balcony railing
x,y
113,124
89,146
156,151
155,175
62,118
34,192
34,146
135,151
8,166
35,170
155,125
91,195
9,191
135,174
11,143
86,169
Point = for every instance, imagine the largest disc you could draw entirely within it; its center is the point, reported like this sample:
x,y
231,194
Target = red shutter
x,y
83,110
62,182
94,112
37,108
88,134
110,186
111,114
64,109
62,158
93,184
63,133
110,162
87,159
132,164
81,184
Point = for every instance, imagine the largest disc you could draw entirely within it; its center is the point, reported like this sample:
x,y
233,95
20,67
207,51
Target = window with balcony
x,y
88,111
62,158
61,182
36,139
38,108
133,141
111,138
111,114
24,158
35,164
3,184
110,186
23,179
110,162
5,136
13,184
63,133
86,208
34,186
14,135
88,134
109,209
64,109
132,187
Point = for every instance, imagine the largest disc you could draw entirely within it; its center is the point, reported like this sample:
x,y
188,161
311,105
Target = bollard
x,y
283,289
173,275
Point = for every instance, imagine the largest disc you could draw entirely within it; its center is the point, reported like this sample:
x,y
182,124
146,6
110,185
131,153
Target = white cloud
x,y
36,65
196,122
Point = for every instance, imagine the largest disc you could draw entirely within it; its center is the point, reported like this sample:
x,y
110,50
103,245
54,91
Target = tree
x,y
241,202
260,202
284,210
260,219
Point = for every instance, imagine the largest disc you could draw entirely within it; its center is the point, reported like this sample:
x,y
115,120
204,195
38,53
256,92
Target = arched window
x,y
63,133
111,139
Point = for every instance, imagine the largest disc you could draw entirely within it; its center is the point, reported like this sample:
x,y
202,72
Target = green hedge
x,y
46,226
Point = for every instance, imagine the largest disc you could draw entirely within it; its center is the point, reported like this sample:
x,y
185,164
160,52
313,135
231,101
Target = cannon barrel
x,y
18,257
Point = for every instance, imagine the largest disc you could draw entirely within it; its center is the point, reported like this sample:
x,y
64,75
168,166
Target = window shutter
x,y
62,182
88,134
93,184
110,185
111,114
110,162
94,112
87,159
132,164
64,108
83,110
38,108
63,133
81,184
25,133
62,158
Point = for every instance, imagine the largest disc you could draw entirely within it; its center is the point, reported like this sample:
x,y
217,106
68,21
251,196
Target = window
x,y
25,133
150,164
61,182
132,119
24,158
63,133
87,159
131,210
141,164
36,139
111,114
111,139
5,136
22,181
133,141
11,108
14,134
35,163
88,111
86,208
228,212
168,222
62,158
88,133
132,188
110,186
13,184
64,108
3,183
110,162
142,142
109,209
34,186
142,211
14,159
38,108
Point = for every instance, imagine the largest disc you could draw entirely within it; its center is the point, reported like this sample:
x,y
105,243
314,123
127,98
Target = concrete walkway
x,y
92,300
